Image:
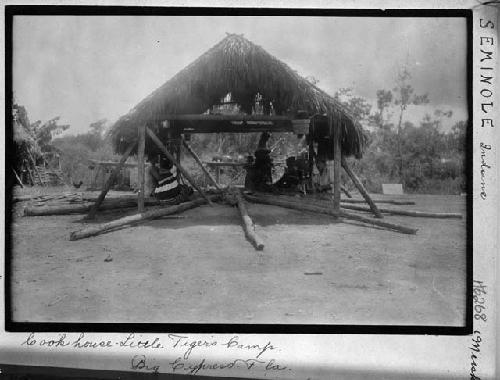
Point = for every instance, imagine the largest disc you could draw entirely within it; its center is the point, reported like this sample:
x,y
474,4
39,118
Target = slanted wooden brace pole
x,y
197,159
160,145
141,169
111,180
361,189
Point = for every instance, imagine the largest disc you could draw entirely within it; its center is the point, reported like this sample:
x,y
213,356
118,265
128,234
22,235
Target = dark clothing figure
x,y
263,168
259,172
167,187
290,178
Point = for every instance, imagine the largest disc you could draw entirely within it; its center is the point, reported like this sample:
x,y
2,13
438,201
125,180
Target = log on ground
x,y
379,223
414,213
22,198
387,201
134,219
67,209
289,203
248,225
298,205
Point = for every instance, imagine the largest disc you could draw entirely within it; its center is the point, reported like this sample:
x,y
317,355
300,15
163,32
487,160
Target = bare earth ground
x,y
201,269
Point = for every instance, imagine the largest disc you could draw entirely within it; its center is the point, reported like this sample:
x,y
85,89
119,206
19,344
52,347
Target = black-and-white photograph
x,y
239,170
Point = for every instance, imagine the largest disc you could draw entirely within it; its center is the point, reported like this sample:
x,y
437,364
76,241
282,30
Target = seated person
x,y
167,186
290,179
321,176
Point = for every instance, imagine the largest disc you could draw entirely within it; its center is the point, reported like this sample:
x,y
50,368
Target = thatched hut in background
x,y
30,164
26,147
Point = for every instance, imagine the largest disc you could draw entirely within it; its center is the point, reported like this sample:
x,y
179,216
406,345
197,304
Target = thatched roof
x,y
21,134
237,66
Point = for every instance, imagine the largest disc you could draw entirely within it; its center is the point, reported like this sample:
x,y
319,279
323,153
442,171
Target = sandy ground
x,y
201,269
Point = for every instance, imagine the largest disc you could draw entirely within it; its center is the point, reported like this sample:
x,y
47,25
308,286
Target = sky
x,y
86,68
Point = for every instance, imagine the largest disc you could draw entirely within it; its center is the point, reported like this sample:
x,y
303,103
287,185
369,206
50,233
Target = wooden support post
x,y
157,141
178,152
337,151
110,181
197,159
361,189
248,225
153,214
175,147
140,167
311,155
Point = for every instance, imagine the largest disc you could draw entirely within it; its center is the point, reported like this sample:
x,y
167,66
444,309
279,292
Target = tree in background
x,y
78,150
405,96
45,132
357,106
423,157
380,118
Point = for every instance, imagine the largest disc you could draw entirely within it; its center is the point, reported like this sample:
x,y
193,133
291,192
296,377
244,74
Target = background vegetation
x,y
423,157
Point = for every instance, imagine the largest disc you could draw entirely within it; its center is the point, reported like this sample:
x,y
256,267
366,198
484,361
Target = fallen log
x,y
325,197
420,214
40,201
248,225
66,209
275,201
387,201
329,211
22,198
134,219
379,223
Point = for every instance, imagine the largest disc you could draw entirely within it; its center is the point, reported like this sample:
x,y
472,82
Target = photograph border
x,y
68,10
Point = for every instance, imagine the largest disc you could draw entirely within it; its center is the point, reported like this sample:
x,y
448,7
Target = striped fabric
x,y
166,184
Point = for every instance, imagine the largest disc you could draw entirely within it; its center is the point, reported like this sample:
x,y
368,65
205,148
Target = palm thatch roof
x,y
21,133
237,66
